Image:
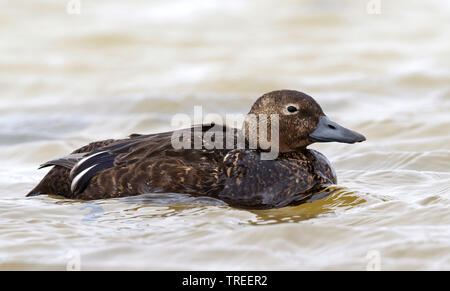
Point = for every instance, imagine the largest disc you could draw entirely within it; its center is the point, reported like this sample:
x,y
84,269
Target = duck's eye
x,y
292,109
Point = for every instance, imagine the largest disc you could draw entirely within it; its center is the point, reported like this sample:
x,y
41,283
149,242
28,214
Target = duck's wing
x,y
115,154
136,148
67,161
156,151
72,159
58,180
73,173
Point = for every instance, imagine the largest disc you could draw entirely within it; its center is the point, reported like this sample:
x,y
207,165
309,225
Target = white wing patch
x,y
77,165
77,178
88,167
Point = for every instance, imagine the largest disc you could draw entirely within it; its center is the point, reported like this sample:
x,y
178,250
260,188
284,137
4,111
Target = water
x,y
123,67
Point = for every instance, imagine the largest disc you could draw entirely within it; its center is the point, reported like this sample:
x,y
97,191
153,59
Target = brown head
x,y
301,121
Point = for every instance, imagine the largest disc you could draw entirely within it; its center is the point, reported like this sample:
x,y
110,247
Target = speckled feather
x,y
291,179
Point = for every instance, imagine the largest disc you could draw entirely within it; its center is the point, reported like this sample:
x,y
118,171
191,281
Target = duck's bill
x,y
328,131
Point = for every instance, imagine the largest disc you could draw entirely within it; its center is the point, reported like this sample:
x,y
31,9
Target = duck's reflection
x,y
324,202
172,199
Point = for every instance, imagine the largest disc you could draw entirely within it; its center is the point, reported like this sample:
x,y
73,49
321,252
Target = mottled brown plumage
x,y
150,164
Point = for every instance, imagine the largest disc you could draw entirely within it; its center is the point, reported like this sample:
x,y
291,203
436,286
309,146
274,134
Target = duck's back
x,y
132,166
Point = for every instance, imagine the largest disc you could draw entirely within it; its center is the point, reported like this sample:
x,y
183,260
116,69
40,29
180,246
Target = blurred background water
x,y
111,68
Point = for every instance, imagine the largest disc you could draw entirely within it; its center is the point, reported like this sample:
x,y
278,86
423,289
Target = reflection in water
x,y
159,205
95,211
329,200
171,199
335,198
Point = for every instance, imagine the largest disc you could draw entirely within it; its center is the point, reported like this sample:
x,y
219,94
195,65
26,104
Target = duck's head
x,y
301,121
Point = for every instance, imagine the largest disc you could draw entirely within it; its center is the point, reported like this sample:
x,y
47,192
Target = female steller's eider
x,y
240,176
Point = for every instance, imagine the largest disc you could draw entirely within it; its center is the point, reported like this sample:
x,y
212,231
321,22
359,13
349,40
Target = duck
x,y
240,175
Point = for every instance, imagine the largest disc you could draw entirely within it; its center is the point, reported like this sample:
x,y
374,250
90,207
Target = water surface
x,y
123,67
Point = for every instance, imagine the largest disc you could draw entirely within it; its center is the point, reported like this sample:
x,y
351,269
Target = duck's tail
x,y
56,182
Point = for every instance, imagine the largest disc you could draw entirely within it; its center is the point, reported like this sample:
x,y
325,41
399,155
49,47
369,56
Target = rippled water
x,y
120,67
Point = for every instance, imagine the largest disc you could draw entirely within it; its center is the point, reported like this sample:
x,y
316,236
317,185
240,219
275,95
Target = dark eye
x,y
292,109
